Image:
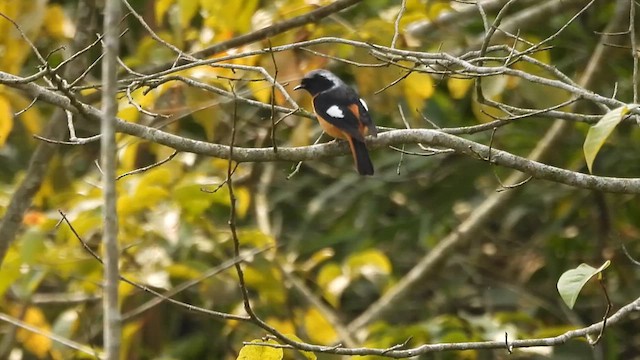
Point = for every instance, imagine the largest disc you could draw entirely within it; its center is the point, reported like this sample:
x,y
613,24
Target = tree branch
x,y
394,137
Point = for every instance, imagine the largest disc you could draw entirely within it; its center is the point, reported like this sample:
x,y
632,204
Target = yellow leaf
x,y
243,200
143,199
188,9
57,24
260,91
129,331
458,87
31,118
182,271
29,15
161,8
369,262
599,132
435,8
38,345
10,270
6,120
129,154
268,281
256,238
260,352
193,201
129,112
417,88
332,282
317,258
318,328
283,326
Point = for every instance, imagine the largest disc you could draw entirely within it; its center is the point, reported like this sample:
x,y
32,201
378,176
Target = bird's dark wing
x,y
338,109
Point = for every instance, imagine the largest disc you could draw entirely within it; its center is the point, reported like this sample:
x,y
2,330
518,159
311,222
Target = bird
x,y
341,113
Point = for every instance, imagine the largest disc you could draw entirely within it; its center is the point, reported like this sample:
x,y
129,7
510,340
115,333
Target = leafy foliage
x,y
572,281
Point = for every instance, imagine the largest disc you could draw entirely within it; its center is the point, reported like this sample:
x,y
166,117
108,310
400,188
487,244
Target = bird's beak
x,y
298,87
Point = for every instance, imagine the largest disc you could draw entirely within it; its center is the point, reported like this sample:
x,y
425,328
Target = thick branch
x,y
265,33
395,137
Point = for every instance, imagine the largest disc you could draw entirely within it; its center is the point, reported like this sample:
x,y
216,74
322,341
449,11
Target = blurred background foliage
x,y
345,238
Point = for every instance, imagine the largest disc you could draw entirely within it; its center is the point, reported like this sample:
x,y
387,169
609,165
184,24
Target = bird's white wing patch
x,y
334,111
364,104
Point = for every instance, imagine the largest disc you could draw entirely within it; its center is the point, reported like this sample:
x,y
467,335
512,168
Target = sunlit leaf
x,y
369,263
572,281
331,280
161,8
318,328
260,91
417,87
243,200
458,87
10,270
599,132
192,200
436,8
268,281
282,326
57,23
256,238
143,199
38,345
31,118
182,271
317,258
129,331
259,352
159,176
6,120
188,9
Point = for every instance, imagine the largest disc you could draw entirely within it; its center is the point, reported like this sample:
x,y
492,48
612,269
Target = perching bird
x,y
341,113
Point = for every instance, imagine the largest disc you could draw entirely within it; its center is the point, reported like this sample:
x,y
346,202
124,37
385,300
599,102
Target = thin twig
x,y
396,24
149,167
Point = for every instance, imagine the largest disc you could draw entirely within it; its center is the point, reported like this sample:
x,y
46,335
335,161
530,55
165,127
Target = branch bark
x,y
394,137
111,321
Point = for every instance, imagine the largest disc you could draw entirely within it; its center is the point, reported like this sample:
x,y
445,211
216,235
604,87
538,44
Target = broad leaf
x,y
599,132
572,281
260,352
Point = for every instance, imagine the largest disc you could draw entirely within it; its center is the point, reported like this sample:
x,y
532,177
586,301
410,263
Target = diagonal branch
x,y
267,32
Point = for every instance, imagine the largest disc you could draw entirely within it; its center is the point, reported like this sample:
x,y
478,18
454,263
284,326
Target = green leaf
x,y
260,352
572,281
599,132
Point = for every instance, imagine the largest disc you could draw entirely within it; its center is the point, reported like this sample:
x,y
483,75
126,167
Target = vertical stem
x,y
634,48
111,321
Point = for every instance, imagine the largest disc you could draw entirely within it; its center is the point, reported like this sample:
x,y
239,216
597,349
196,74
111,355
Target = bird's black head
x,y
317,81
